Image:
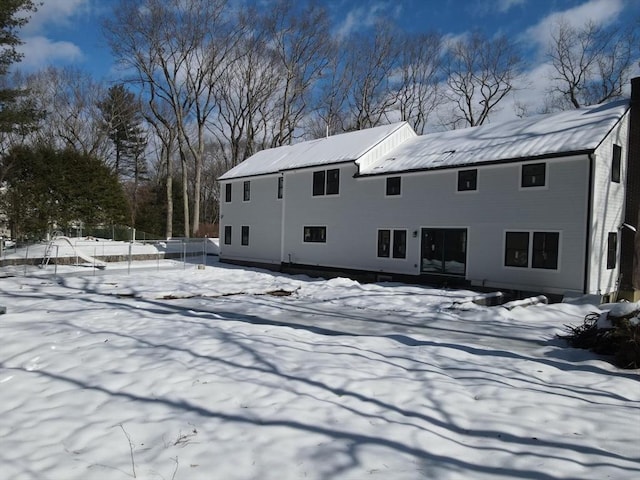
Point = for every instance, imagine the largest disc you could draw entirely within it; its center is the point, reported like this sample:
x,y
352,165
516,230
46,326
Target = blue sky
x,y
68,32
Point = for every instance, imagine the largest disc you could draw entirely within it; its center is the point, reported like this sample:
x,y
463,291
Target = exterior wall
x,y
607,209
262,214
431,200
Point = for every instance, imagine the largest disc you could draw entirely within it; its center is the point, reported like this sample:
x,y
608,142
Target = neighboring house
x,y
535,204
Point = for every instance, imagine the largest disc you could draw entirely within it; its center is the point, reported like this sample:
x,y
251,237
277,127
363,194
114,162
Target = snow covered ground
x,y
216,373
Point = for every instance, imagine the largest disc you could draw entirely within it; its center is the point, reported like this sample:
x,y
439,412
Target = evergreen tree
x,y
14,114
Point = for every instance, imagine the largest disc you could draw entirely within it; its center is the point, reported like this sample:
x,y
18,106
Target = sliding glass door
x,y
444,251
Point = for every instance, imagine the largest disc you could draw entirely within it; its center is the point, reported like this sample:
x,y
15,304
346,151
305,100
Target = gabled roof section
x,y
563,133
323,151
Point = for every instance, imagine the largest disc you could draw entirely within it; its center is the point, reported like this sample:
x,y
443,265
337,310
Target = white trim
x,y
406,244
384,185
534,188
326,237
530,267
466,192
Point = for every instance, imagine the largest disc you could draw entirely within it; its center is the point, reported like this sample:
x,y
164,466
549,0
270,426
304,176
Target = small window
x,y
533,175
227,234
245,236
247,191
315,235
467,180
333,181
393,186
612,250
280,186
318,183
227,192
399,244
615,164
545,250
517,249
384,243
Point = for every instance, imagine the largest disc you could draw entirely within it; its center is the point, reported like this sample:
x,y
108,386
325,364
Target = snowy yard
x,y
211,374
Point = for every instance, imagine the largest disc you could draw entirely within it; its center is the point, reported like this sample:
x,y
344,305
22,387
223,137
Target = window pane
x,y
318,183
245,236
545,250
399,244
227,192
315,234
432,250
280,186
533,175
455,251
615,166
384,243
517,249
393,186
612,250
227,234
333,181
467,180
247,191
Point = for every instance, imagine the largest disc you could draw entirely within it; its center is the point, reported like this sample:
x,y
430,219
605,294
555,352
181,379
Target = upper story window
x,y
533,175
314,235
227,192
393,186
246,196
326,182
280,186
615,163
467,180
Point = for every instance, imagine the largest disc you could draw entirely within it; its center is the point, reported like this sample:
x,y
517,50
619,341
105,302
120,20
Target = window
x,y
399,244
615,164
280,186
247,191
326,182
467,180
397,249
384,243
245,236
533,175
545,250
393,186
517,249
227,234
227,192
612,250
315,235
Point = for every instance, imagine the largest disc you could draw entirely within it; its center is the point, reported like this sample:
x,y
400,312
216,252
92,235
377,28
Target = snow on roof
x,y
542,135
323,151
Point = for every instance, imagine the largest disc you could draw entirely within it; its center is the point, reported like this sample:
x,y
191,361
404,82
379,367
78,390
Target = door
x,y
444,251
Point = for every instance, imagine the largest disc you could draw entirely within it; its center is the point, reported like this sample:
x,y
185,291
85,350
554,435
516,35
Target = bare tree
x,y
591,63
178,50
419,92
480,72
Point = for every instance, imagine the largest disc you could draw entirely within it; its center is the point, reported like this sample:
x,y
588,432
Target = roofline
x,y
614,126
277,172
481,163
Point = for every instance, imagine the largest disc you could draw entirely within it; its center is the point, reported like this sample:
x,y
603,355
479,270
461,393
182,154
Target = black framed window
x,y
516,249
384,243
227,192
318,183
280,186
393,186
612,250
533,175
247,191
333,181
245,235
399,244
314,235
545,250
615,163
227,234
467,180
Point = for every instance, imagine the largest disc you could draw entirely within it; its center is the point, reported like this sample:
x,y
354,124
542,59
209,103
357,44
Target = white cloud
x,y
364,17
40,51
55,12
506,5
601,12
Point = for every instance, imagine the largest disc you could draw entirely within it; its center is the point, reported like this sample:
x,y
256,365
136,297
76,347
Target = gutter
x,y
587,249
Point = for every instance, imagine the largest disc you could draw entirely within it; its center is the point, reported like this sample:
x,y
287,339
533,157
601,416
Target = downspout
x,y
587,247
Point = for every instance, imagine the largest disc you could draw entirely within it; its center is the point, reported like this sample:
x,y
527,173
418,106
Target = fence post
x,y
26,259
129,262
184,254
204,251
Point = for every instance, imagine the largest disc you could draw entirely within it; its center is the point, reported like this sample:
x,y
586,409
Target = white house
x,y
535,204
